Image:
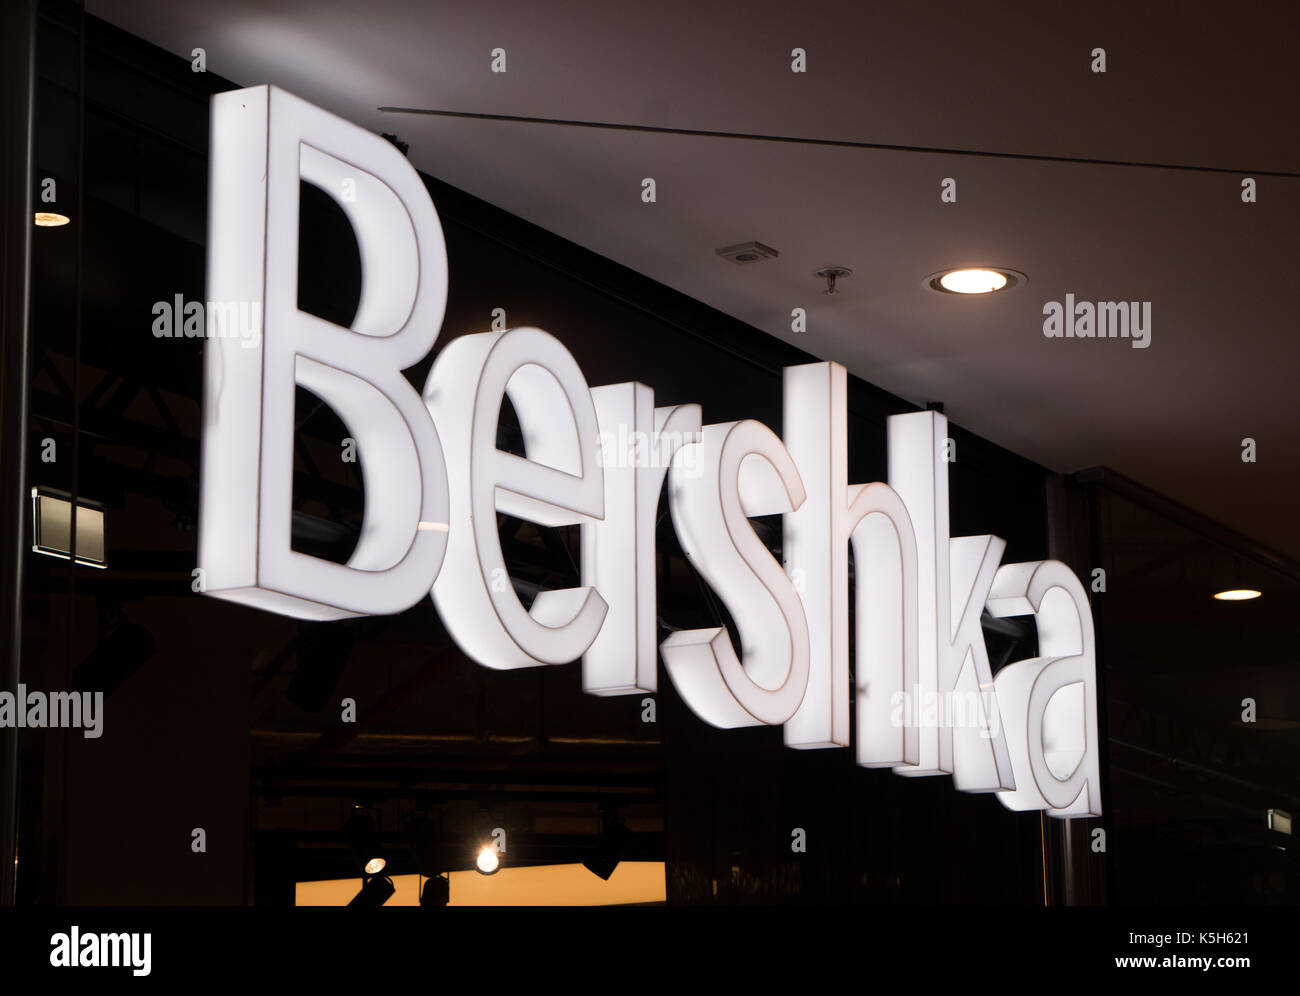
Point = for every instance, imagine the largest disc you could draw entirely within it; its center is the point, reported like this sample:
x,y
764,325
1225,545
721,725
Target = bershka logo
x,y
435,481
90,950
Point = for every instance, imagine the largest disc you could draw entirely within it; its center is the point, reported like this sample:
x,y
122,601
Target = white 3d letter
x,y
816,550
954,574
618,553
1049,702
885,585
264,142
558,483
746,472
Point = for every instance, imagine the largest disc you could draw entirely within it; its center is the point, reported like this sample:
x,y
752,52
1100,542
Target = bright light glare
x,y
973,281
48,219
1237,595
487,861
375,865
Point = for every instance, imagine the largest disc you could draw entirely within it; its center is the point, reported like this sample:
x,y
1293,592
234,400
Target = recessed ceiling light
x,y
1237,595
974,280
48,219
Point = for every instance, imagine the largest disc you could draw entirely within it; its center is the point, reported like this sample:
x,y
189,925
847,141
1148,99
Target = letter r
x,y
264,143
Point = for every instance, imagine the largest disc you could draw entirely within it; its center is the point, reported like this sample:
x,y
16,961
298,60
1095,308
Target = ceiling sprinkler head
x,y
831,274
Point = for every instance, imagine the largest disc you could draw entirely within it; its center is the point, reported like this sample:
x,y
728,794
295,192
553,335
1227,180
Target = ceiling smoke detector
x,y
748,252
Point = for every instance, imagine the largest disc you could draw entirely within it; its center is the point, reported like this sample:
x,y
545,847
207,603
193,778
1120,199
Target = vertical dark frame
x,y
17,63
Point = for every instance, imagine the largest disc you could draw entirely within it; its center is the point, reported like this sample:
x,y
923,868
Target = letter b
x,y
264,142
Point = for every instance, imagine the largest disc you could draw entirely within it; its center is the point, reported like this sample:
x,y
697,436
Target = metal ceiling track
x,y
834,142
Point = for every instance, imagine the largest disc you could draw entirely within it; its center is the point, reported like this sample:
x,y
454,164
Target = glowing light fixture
x,y
363,841
1237,595
974,280
487,861
48,219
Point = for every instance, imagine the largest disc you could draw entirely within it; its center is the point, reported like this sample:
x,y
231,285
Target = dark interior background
x,y
226,718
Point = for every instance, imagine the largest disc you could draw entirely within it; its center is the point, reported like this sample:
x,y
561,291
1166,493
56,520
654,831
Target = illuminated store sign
x,y
925,700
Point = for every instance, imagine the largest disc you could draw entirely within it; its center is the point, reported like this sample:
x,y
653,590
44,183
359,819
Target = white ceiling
x,y
1182,87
